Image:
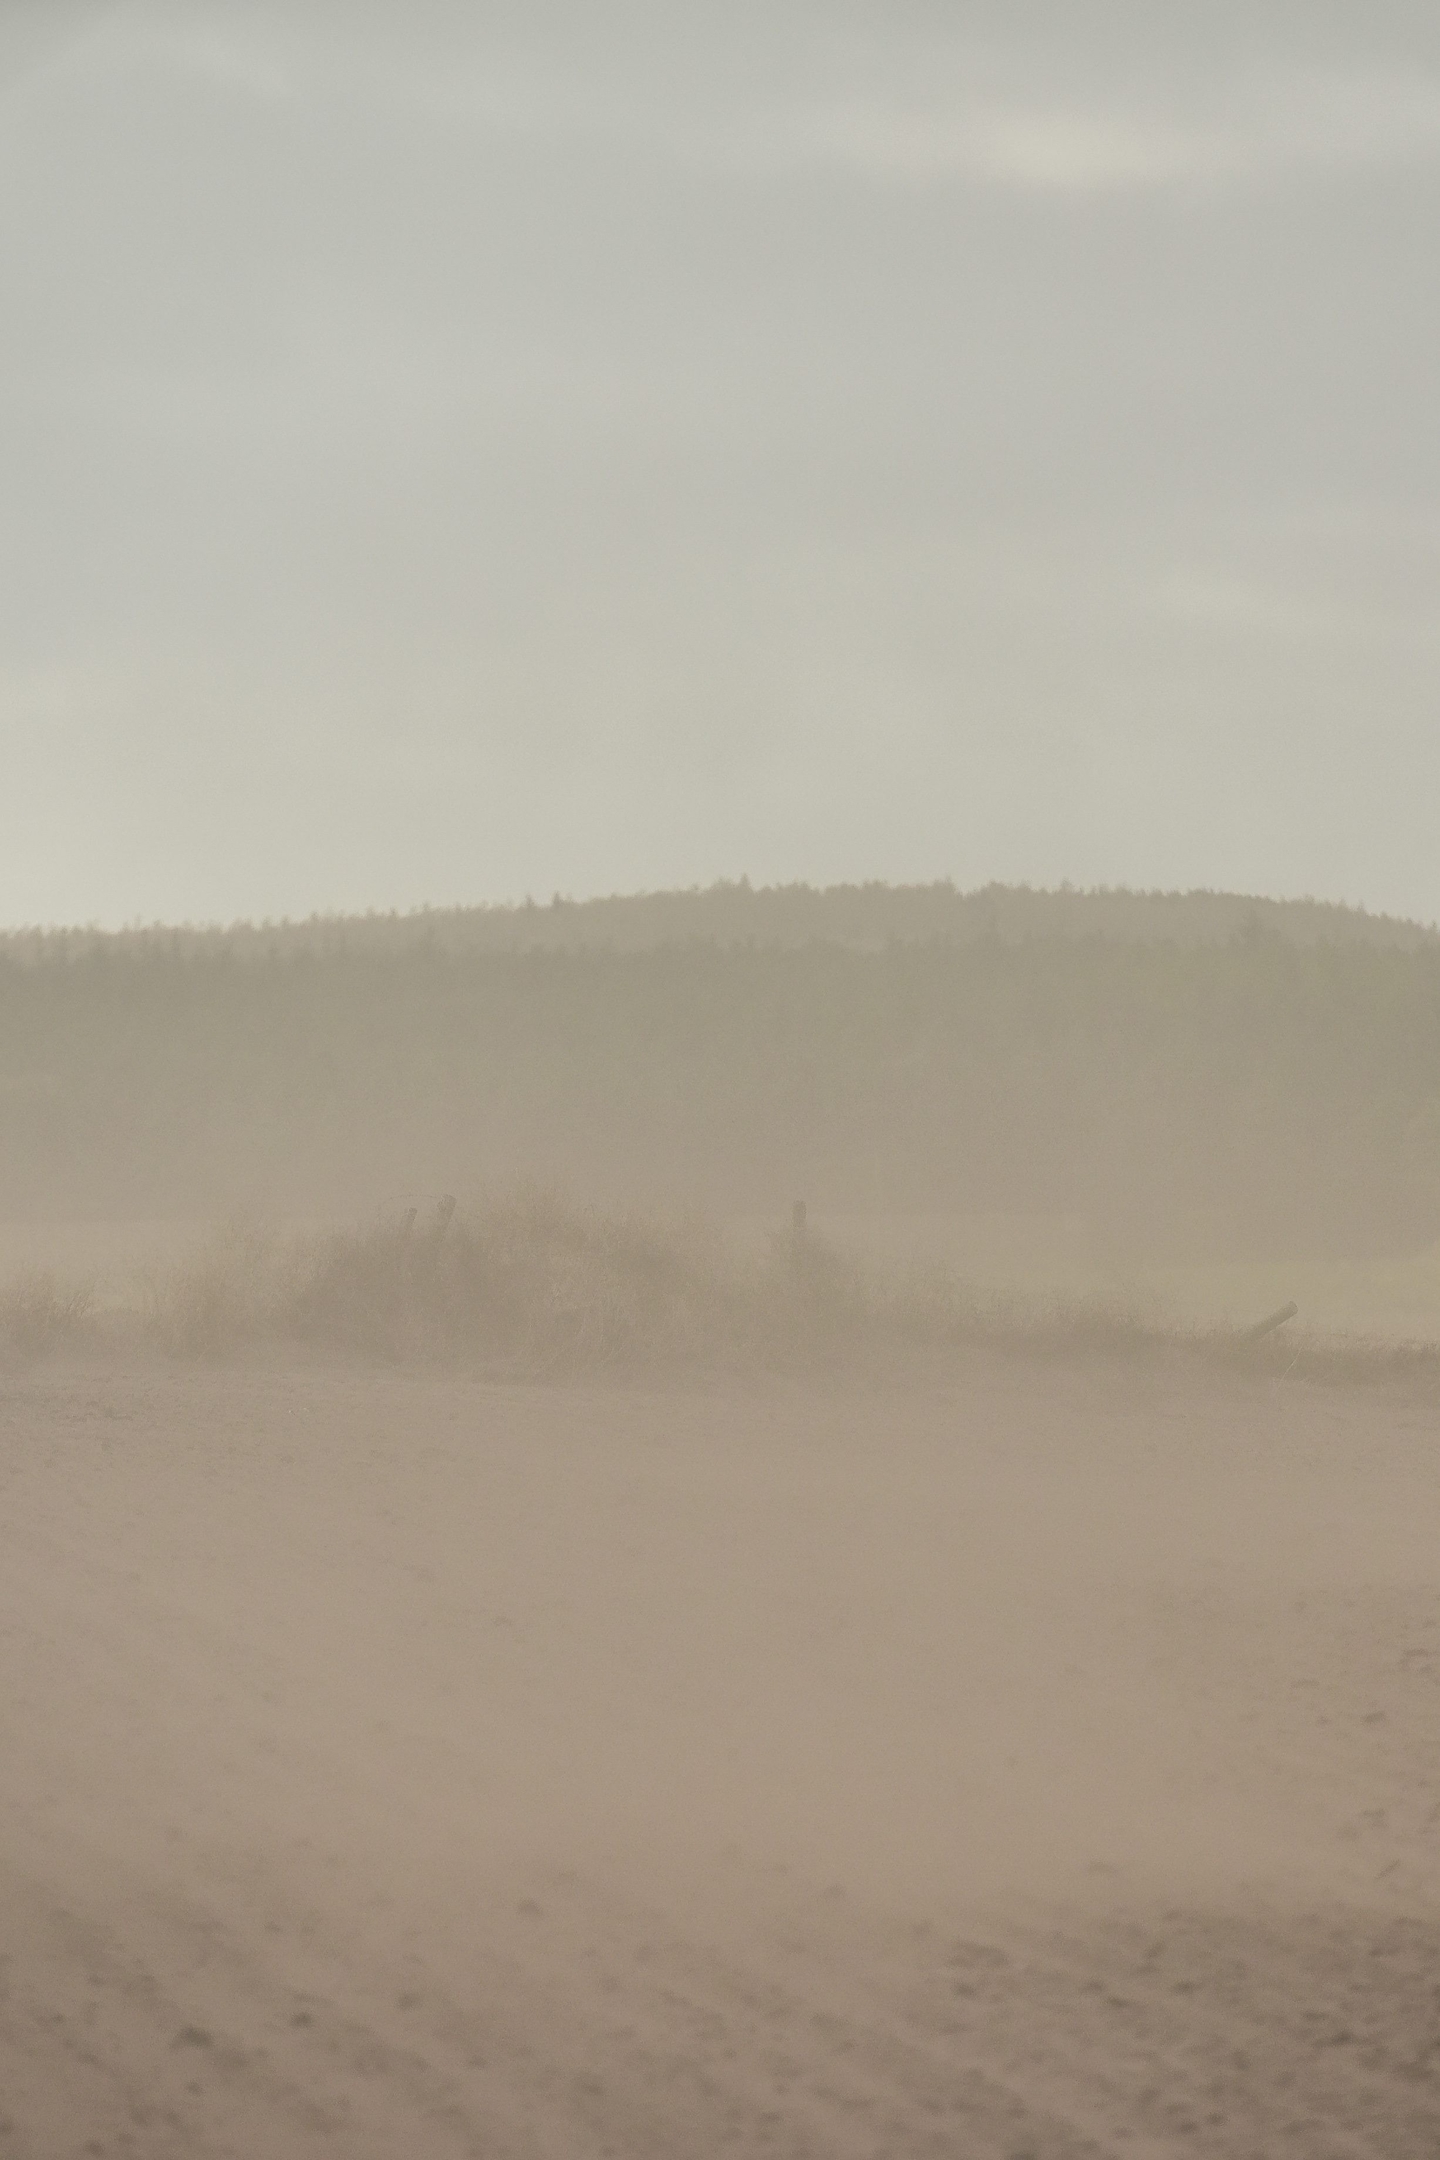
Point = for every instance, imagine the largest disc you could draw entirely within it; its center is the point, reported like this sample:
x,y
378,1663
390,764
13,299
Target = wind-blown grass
x,y
238,1289
40,1314
529,1284
526,1284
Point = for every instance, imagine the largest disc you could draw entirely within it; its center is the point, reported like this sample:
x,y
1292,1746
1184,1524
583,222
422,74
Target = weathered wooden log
x,y
1268,1325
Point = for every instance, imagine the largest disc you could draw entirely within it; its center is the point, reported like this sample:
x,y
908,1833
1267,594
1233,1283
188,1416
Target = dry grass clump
x,y
531,1284
40,1314
929,1304
526,1283
236,1290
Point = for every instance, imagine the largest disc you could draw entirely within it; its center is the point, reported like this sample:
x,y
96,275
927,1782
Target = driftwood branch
x,y
1268,1325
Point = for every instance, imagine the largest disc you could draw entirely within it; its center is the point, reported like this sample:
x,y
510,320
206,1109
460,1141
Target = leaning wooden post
x,y
1268,1325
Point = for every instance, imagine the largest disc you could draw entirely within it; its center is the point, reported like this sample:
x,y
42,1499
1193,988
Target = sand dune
x,y
1048,1766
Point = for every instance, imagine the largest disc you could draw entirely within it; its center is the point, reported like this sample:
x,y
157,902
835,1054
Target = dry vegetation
x,y
529,1285
41,1313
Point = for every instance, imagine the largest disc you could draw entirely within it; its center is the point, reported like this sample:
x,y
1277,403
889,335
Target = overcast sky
x,y
451,452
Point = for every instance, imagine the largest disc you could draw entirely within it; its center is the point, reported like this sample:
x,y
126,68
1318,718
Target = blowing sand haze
x,y
1043,1766
719,1080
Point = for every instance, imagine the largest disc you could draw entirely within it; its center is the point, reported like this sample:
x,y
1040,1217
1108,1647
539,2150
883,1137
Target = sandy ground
x,y
1046,1767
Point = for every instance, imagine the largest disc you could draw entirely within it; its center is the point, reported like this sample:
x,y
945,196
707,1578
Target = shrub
x,y
40,1314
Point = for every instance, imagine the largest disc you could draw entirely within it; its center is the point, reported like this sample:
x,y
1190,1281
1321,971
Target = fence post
x,y
1268,1325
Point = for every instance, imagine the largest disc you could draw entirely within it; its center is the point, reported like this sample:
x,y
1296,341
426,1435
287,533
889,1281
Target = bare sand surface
x,y
1044,1766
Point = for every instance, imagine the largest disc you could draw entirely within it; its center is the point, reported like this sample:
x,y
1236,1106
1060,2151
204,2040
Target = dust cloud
x,y
1037,1765
512,1670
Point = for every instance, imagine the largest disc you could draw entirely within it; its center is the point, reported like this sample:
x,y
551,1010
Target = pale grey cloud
x,y
455,454
33,32
1297,125
906,94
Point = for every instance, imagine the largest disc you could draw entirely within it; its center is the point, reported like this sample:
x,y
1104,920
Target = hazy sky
x,y
450,452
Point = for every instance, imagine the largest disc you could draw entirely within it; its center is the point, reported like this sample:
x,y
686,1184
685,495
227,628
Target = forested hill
x,y
1289,1091
859,916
